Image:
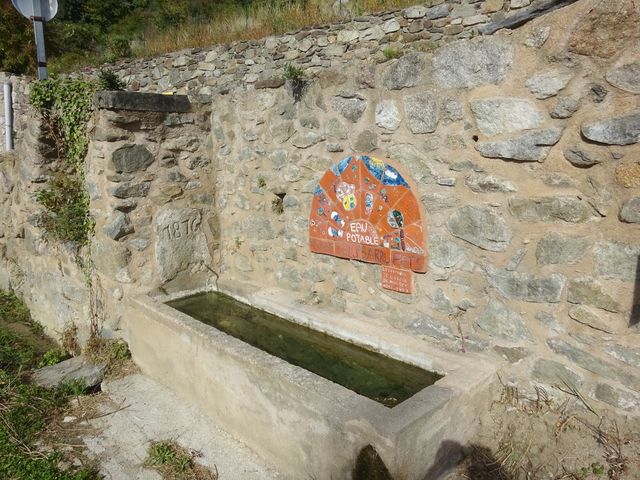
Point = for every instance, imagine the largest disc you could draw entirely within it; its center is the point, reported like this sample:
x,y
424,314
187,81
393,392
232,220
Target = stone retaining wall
x,y
523,146
260,63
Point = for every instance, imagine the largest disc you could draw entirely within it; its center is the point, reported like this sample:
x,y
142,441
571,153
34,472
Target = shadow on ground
x,y
472,462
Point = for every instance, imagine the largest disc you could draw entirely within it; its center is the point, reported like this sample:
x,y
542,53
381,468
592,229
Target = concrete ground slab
x,y
137,411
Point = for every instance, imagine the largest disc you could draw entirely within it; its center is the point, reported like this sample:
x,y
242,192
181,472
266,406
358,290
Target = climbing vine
x,y
65,107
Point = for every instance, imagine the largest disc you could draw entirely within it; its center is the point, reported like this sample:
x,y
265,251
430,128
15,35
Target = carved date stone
x,y
180,241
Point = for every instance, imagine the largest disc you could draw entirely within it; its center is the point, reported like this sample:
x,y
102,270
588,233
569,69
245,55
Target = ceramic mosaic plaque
x,y
364,209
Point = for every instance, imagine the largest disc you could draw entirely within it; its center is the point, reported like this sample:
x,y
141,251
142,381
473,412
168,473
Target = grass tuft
x,y
176,463
114,353
25,408
391,53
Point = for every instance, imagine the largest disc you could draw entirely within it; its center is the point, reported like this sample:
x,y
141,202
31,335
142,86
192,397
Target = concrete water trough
x,y
306,426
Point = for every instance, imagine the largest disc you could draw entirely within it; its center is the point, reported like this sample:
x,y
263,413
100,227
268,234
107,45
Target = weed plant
x,y
65,106
391,53
114,353
108,80
177,463
25,408
295,76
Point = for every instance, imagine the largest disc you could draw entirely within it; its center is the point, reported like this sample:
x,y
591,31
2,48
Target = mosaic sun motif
x,y
364,209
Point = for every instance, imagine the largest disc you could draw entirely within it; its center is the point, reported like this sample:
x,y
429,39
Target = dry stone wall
x,y
260,63
523,145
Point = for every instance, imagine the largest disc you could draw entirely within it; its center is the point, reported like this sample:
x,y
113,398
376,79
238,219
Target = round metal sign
x,y
38,9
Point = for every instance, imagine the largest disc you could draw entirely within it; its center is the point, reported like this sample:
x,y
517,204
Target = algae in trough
x,y
383,379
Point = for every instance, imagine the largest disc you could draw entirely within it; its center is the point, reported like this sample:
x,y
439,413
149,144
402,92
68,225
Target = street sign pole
x,y
38,28
38,11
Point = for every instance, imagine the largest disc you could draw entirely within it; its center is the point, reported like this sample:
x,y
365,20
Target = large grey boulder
x,y
626,77
630,211
444,253
109,257
548,84
365,141
388,115
405,72
414,160
630,355
581,157
505,115
471,63
587,291
334,128
76,369
525,286
180,241
480,226
499,321
306,139
117,225
617,260
551,209
482,183
131,158
421,111
130,190
555,373
566,107
622,130
555,248
427,326
616,397
438,11
137,101
529,147
589,318
350,105
594,364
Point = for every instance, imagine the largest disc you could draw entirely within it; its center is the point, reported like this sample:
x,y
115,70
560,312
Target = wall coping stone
x,y
152,102
523,16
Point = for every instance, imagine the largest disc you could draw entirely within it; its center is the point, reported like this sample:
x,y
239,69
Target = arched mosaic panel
x,y
364,209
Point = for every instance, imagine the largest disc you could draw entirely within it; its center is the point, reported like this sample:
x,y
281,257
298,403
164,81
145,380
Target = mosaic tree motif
x,y
364,209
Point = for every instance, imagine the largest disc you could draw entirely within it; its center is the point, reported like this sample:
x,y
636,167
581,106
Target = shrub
x,y
108,80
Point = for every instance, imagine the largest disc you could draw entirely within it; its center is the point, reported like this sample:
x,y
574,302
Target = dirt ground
x,y
571,440
545,440
114,429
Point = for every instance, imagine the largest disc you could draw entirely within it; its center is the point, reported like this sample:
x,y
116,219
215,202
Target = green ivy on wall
x,y
65,106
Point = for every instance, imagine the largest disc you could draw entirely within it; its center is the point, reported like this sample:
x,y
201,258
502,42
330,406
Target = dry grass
x,y
537,439
257,22
114,353
174,462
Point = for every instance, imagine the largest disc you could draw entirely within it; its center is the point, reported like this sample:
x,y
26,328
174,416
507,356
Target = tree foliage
x,y
90,32
17,44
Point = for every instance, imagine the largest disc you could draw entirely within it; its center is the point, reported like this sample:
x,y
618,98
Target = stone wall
x,y
151,184
523,147
208,71
45,274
